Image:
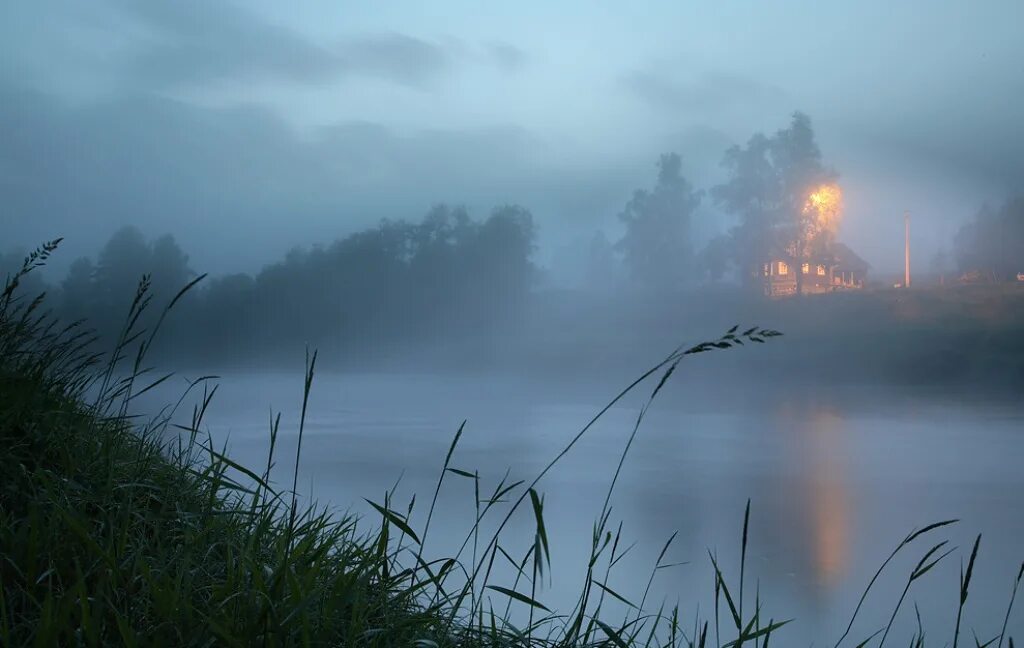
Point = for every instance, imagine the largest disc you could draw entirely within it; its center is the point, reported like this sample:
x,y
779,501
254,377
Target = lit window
x,y
767,267
806,268
821,271
783,268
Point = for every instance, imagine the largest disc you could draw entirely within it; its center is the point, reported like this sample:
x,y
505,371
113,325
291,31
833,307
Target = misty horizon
x,y
234,127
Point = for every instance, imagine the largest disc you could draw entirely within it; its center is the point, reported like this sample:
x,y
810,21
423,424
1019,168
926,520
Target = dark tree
x,y
769,183
78,291
168,265
993,242
714,258
120,265
369,293
656,246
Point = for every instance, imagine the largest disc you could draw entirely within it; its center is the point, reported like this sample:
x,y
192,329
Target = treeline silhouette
x,y
992,244
452,287
377,291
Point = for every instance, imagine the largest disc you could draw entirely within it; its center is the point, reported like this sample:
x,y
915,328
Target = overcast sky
x,y
247,128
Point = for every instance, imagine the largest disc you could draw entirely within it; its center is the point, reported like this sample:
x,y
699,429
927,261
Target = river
x,y
837,476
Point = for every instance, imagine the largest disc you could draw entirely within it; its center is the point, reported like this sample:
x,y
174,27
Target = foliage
x,y
768,190
993,243
656,246
100,291
445,276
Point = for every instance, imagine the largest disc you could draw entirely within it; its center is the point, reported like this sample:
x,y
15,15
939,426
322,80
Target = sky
x,y
246,129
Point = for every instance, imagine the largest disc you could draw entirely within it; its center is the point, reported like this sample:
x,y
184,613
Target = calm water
x,y
837,477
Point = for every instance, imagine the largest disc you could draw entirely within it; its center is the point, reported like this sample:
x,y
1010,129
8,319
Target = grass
x,y
121,531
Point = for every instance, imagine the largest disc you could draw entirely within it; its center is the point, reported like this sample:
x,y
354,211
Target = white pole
x,y
906,249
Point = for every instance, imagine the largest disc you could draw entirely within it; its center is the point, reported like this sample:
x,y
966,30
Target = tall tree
x,y
784,197
369,292
714,258
499,263
169,266
993,242
120,265
656,246
78,291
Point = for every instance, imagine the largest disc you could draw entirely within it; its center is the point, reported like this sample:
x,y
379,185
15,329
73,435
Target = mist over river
x,y
837,477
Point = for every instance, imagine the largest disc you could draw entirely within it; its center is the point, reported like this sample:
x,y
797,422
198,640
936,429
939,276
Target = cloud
x,y
237,179
396,57
193,43
507,57
968,149
705,95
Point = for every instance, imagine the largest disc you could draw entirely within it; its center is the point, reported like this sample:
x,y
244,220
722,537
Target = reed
x,y
120,531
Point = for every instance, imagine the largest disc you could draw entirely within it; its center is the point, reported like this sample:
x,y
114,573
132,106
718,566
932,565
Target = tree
x,y
120,265
222,323
940,265
993,242
168,265
102,291
78,290
785,198
499,265
656,246
369,292
753,194
714,258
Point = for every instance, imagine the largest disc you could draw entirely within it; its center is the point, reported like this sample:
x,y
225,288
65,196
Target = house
x,y
979,276
840,269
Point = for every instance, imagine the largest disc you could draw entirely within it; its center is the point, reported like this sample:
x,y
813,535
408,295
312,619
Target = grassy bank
x,y
962,336
112,534
117,530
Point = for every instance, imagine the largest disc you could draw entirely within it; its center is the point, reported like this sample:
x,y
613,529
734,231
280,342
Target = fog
x,y
244,124
506,214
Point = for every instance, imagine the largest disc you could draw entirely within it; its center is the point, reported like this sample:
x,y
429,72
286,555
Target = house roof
x,y
848,260
842,258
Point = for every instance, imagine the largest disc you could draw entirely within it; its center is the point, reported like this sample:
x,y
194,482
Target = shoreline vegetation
x,y
120,531
457,306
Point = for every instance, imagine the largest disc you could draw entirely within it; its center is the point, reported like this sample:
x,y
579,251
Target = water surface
x,y
836,476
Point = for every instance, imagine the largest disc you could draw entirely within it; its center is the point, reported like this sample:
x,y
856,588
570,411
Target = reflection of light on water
x,y
829,499
830,531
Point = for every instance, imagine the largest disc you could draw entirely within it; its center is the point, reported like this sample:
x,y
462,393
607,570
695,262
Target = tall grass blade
x,y
1009,608
522,598
965,583
913,535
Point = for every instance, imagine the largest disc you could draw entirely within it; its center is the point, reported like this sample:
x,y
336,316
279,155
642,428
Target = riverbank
x,y
117,530
967,337
959,337
113,536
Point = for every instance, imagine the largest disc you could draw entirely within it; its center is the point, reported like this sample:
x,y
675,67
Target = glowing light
x,y
824,209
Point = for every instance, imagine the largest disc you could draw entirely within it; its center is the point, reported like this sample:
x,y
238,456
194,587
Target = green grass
x,y
119,531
